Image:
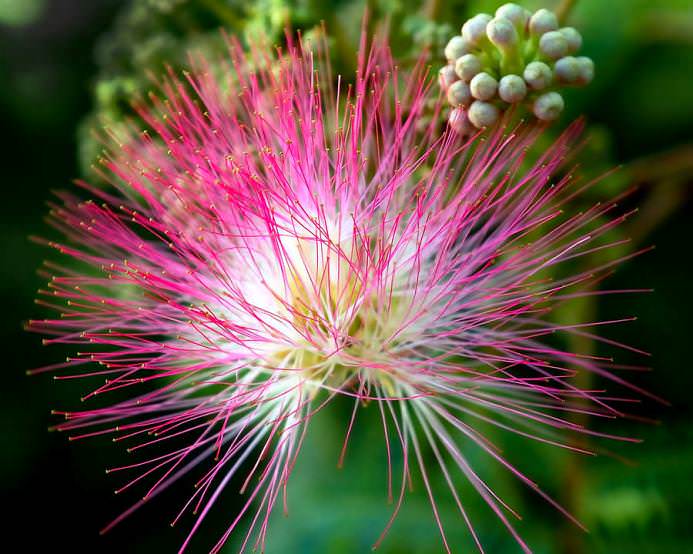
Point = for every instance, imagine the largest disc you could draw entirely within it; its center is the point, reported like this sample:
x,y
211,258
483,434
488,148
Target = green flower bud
x,y
515,57
517,14
483,86
459,94
467,66
447,76
502,33
459,122
543,21
586,73
512,89
474,30
456,48
553,45
567,70
483,114
548,106
573,38
538,75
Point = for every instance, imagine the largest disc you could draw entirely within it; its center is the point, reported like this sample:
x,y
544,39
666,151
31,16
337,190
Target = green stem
x,y
563,10
668,26
224,12
573,539
665,198
677,162
511,61
431,9
668,175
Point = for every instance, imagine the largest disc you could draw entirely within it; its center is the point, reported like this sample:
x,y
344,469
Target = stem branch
x,y
563,10
432,8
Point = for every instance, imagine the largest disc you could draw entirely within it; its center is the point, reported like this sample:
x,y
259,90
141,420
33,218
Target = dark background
x,y
55,492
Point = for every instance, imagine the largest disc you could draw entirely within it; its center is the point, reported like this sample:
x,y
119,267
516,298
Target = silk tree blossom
x,y
279,238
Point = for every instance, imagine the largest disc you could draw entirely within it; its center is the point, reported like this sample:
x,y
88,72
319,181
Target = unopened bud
x,y
586,73
542,22
567,70
512,89
549,106
456,48
483,86
447,76
467,66
483,114
502,33
517,14
537,75
553,45
573,38
474,30
459,94
459,122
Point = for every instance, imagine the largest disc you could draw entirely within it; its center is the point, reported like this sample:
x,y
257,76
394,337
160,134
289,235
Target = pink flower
x,y
280,238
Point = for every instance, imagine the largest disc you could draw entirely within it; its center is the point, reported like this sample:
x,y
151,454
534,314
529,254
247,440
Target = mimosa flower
x,y
279,238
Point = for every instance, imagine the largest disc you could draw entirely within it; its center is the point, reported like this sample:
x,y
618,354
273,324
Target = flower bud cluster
x,y
514,58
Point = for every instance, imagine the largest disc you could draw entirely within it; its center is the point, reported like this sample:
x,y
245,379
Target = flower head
x,y
278,238
513,58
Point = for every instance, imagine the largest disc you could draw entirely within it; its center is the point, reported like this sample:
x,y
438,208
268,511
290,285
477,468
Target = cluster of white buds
x,y
516,57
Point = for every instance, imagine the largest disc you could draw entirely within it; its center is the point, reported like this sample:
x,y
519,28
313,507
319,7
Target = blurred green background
x,y
67,66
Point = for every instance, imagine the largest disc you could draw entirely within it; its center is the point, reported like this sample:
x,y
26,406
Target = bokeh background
x,y
68,66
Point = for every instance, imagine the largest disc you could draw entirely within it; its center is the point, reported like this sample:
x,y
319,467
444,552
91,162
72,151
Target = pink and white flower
x,y
281,238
